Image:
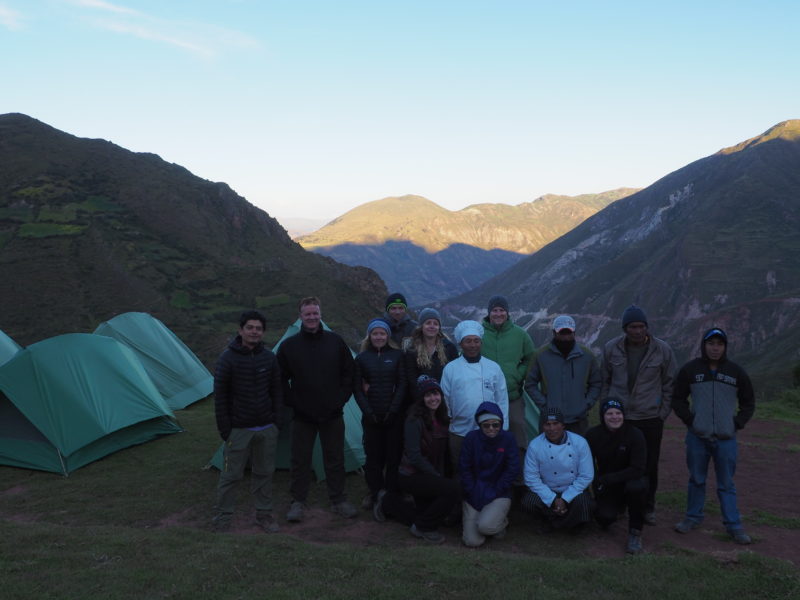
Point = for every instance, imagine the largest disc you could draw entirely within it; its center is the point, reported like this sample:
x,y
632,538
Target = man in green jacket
x,y
511,347
565,375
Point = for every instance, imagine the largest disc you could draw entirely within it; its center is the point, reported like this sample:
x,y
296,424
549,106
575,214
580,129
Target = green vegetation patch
x,y
762,517
42,230
784,407
43,192
16,213
99,204
58,214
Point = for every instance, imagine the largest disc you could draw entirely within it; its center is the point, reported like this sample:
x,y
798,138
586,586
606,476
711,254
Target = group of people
x,y
444,424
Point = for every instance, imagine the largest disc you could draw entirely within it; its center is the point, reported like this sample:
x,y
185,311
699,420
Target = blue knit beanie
x,y
375,323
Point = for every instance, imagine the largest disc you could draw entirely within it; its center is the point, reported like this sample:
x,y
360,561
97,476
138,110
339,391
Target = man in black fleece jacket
x,y
317,369
247,401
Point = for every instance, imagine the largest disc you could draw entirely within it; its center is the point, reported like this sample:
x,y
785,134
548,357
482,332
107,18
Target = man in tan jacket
x,y
640,369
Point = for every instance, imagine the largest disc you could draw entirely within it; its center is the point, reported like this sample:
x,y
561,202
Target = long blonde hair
x,y
416,342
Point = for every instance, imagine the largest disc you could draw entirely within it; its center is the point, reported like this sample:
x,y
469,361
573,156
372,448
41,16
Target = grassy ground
x,y
134,525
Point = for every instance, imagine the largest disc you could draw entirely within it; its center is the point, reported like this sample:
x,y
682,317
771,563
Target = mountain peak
x,y
785,130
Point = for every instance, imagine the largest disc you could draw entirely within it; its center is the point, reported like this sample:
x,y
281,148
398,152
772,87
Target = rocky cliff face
x,y
714,243
89,230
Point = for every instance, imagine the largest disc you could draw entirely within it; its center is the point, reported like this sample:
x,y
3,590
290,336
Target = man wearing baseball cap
x,y
722,403
565,375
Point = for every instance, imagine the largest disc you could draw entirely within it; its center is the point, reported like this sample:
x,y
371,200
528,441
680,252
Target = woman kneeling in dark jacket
x,y
421,472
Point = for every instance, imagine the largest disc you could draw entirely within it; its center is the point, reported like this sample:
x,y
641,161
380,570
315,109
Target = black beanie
x,y
633,314
395,298
611,403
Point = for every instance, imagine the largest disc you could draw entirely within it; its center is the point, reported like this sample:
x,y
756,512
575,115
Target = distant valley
x,y
431,253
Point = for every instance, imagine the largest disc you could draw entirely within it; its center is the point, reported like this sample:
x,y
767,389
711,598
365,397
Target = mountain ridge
x,y
715,242
94,229
430,252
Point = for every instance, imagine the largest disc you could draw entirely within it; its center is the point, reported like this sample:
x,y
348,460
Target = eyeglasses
x,y
492,425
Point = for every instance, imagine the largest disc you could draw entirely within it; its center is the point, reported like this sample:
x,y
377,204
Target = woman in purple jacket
x,y
489,464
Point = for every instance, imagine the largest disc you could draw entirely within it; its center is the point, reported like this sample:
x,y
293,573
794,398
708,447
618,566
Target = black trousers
x,y
578,511
613,499
434,499
383,445
331,438
653,430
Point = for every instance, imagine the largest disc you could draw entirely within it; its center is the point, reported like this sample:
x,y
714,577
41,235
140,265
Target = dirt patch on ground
x,y
769,460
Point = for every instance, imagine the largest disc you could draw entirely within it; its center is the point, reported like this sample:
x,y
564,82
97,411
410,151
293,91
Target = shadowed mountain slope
x,y
431,253
714,243
89,230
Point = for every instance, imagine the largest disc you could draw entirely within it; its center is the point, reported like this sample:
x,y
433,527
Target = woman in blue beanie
x,y
379,389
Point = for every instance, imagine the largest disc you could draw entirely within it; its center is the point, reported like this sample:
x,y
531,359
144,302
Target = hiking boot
x,y
740,537
377,508
686,526
634,542
297,512
367,503
650,517
345,509
267,523
433,537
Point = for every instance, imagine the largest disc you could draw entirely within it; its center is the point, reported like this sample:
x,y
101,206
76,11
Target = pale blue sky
x,y
311,108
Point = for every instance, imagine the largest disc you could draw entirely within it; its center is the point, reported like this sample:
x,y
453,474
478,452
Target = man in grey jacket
x,y
722,402
565,375
639,369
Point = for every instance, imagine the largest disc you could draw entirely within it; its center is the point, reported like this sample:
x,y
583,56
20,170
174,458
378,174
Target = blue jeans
x,y
698,453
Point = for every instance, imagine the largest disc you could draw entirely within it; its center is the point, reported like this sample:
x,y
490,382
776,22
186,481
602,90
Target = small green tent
x,y
177,373
72,399
353,449
8,348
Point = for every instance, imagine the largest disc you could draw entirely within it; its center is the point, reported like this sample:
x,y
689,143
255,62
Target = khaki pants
x,y
259,448
490,520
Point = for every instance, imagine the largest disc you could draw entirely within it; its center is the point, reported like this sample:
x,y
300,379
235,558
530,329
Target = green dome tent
x,y
353,449
72,399
8,348
177,373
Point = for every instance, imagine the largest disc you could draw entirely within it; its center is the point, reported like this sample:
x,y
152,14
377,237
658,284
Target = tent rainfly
x,y
73,399
8,348
177,373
